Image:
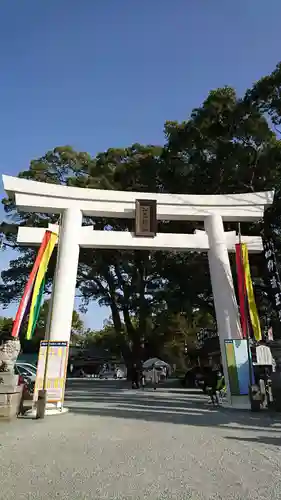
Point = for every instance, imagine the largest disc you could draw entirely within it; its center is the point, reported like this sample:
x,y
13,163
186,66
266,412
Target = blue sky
x,y
103,73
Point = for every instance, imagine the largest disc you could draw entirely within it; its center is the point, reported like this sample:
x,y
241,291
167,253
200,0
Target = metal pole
x,y
246,308
42,394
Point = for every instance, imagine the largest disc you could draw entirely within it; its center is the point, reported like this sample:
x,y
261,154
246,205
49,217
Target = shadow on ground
x,y
167,404
268,440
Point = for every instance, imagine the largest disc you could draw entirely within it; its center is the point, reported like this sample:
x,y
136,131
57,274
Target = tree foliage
x,y
227,145
266,95
6,325
30,346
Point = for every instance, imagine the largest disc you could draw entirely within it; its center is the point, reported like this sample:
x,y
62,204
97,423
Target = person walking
x,y
142,376
221,388
155,377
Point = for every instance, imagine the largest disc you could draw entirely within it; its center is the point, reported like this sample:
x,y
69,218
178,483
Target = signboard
x,y
205,334
56,370
146,218
273,276
264,356
238,366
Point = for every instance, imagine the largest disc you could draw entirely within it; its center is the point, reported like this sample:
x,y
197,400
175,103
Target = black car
x,y
193,378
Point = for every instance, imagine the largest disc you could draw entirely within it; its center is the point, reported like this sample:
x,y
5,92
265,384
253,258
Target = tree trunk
x,y
140,258
126,353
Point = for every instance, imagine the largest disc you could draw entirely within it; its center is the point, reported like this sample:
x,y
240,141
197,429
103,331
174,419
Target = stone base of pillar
x,y
51,409
238,403
10,398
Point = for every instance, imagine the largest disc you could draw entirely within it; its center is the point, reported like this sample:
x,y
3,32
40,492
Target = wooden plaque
x,y
146,218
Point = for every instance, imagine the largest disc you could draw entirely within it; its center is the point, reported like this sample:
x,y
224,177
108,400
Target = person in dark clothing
x,y
212,384
135,377
206,376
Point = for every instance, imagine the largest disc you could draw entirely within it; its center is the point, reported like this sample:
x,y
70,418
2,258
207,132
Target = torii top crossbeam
x,y
35,196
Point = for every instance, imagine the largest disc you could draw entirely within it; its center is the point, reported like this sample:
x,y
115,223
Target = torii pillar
x,y
227,312
66,274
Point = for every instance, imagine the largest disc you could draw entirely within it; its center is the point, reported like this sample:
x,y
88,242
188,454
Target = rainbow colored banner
x,y
34,289
242,292
38,290
24,303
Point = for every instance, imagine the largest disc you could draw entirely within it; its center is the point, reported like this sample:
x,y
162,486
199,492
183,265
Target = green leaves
x,y
226,145
266,95
6,325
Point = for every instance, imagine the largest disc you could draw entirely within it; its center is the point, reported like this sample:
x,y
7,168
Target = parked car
x,y
193,378
107,373
26,370
116,373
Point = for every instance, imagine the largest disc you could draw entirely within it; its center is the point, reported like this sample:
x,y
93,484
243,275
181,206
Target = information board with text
x,y
56,370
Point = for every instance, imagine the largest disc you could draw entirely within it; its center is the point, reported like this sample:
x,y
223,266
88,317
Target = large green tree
x,y
225,146
228,146
266,96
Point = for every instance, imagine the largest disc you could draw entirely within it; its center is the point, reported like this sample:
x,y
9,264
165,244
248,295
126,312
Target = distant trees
x,y
30,346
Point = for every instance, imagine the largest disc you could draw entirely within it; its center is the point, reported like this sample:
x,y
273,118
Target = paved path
x,y
122,444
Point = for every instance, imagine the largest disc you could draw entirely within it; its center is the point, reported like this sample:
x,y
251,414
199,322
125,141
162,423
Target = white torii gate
x,y
72,203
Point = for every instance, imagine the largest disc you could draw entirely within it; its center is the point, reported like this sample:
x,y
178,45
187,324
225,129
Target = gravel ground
x,y
116,443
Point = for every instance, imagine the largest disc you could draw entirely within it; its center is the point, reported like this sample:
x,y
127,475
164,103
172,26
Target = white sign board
x,y
56,370
264,356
